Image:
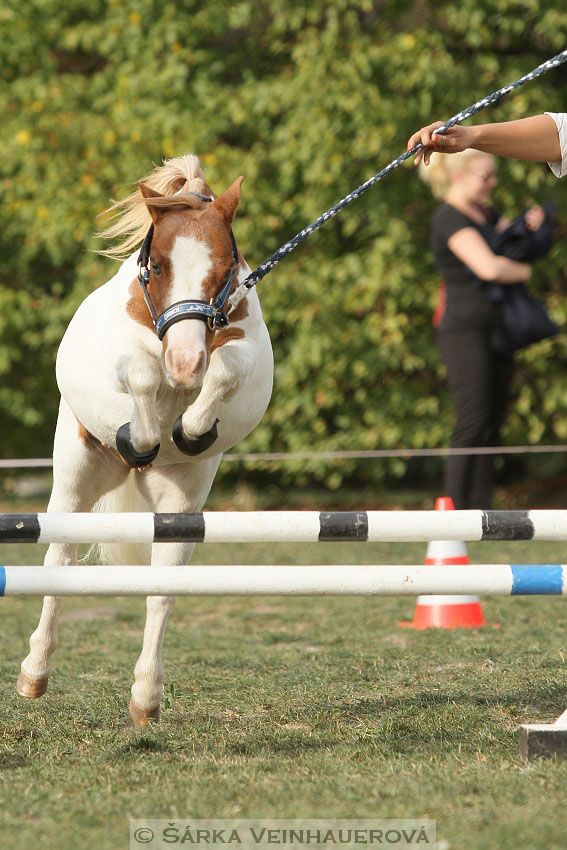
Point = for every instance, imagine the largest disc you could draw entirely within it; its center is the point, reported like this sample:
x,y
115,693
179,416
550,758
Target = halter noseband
x,y
211,313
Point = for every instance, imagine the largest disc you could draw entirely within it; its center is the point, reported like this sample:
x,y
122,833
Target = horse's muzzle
x,y
184,368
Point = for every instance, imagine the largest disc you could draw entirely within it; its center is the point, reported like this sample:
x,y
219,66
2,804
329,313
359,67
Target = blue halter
x,y
211,313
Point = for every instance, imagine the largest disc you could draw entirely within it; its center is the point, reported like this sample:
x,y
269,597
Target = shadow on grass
x,y
12,761
144,744
404,723
446,721
293,746
542,699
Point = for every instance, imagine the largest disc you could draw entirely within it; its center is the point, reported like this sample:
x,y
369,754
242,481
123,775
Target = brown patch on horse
x,y
240,311
159,286
94,444
136,306
208,227
222,337
90,441
215,225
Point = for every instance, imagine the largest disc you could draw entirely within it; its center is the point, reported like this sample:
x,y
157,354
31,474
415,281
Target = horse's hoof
x,y
128,452
31,688
141,717
194,447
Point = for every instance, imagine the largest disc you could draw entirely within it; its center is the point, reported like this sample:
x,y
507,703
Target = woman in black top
x,y
461,231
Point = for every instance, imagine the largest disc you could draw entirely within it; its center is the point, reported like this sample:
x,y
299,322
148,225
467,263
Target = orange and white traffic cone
x,y
446,612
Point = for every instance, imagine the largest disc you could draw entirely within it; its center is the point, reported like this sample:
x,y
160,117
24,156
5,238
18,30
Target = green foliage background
x,y
306,100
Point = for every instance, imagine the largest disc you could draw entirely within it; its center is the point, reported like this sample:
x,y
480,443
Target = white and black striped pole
x,y
283,526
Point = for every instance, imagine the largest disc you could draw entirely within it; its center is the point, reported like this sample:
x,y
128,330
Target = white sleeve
x,y
560,118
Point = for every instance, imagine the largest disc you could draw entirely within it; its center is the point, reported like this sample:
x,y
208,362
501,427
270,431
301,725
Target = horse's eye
x,y
156,269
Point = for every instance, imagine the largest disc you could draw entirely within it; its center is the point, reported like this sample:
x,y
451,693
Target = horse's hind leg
x,y
165,490
147,689
83,470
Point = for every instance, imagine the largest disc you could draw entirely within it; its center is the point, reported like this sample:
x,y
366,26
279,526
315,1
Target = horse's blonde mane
x,y
131,217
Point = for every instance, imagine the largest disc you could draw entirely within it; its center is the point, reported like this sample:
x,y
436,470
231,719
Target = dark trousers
x,y
478,382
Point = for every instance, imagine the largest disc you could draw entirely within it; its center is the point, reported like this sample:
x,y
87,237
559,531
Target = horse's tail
x,y
132,219
124,498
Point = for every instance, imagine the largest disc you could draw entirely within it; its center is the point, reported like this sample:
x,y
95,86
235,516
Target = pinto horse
x,y
155,385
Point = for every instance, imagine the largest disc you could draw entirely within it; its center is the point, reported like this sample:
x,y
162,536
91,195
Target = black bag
x,y
523,319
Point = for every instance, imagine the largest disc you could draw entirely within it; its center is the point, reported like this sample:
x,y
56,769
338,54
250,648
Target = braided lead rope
x,y
242,290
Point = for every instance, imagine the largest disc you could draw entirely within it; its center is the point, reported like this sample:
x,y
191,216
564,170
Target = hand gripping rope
x,y
243,289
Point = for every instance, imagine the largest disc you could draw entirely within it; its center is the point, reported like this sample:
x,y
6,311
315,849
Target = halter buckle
x,y
218,319
212,320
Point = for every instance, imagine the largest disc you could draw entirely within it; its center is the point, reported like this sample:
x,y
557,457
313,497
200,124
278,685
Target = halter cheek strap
x,y
144,271
211,313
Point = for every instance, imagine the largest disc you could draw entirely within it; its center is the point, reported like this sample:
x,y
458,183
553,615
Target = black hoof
x,y
129,453
196,446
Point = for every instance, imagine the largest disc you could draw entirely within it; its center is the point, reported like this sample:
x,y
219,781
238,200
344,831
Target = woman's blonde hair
x,y
443,166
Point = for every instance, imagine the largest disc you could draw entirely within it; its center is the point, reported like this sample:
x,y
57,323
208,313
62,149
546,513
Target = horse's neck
x,y
127,271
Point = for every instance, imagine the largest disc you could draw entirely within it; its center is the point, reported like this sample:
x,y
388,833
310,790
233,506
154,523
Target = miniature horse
x,y
153,394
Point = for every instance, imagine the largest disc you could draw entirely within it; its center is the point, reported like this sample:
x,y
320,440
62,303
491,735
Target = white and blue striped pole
x,y
262,580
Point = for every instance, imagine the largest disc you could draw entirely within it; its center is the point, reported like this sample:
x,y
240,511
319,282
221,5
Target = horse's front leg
x,y
138,440
230,366
165,489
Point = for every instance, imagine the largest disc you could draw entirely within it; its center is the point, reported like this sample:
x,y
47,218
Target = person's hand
x,y
453,140
534,218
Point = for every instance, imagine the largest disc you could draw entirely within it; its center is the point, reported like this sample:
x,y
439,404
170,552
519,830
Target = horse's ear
x,y
226,203
148,194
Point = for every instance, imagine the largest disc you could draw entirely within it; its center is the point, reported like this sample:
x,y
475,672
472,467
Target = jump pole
x,y
286,580
283,526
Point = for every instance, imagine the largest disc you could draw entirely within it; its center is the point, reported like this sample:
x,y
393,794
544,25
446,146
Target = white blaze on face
x,y
185,353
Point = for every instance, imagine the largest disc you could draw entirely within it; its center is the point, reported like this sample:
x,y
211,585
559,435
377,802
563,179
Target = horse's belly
x,y
244,411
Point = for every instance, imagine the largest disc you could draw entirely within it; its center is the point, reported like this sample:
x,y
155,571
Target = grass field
x,y
289,708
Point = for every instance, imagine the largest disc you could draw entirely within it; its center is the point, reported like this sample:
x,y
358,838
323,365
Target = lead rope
x,y
244,288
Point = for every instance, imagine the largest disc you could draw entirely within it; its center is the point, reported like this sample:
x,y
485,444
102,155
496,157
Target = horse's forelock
x,y
171,202
180,174
175,179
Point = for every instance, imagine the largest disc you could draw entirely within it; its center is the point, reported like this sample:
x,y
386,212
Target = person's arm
x,y
468,245
534,139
